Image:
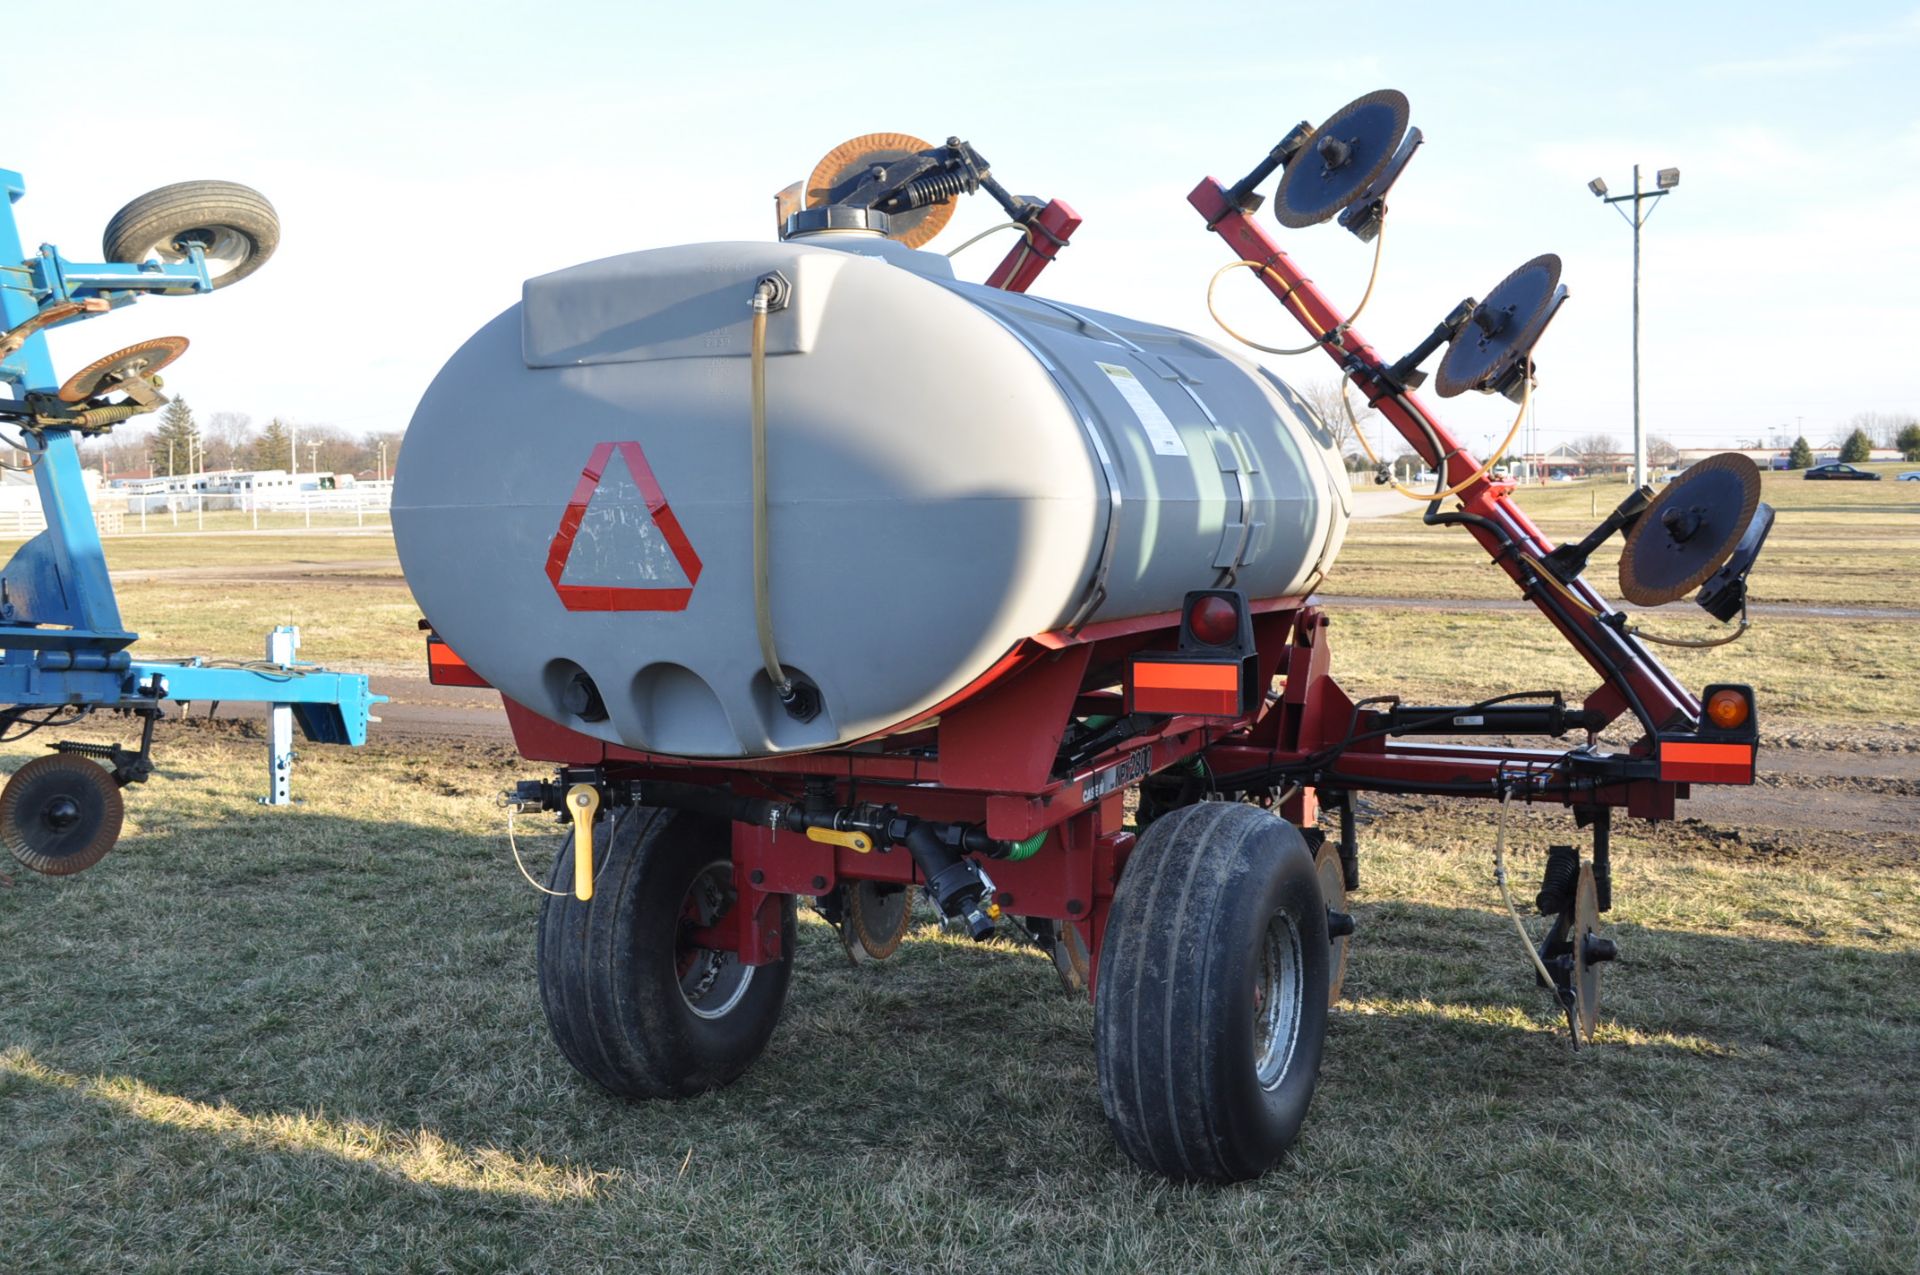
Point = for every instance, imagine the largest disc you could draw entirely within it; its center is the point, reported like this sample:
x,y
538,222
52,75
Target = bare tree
x,y
1596,451
121,453
227,437
1324,397
1881,428
1660,451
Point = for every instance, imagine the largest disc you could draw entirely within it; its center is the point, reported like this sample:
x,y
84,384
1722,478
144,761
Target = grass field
x,y
310,1041
1844,544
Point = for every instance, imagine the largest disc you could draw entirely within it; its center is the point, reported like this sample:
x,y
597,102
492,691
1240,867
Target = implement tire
x,y
1210,1008
631,1002
235,225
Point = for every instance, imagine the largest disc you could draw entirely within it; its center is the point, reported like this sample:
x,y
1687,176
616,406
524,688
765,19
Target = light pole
x,y
1643,202
383,460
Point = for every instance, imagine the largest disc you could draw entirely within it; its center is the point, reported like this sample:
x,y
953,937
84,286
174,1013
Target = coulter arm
x,y
1632,679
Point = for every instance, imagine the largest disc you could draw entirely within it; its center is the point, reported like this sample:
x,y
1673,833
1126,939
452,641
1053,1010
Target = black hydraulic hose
x,y
1315,762
884,823
1572,627
1434,518
719,803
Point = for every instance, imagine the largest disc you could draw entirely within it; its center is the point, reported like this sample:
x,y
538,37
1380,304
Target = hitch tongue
x,y
583,803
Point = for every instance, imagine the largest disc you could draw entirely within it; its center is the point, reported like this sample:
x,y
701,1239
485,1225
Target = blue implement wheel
x,y
60,814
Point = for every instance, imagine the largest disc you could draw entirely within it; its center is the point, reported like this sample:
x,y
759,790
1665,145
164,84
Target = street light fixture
x,y
1643,204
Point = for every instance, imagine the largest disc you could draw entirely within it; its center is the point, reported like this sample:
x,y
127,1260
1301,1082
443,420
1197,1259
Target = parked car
x,y
1563,477
1911,476
1836,470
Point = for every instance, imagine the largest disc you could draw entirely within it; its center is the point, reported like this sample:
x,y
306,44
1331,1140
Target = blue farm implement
x,y
65,653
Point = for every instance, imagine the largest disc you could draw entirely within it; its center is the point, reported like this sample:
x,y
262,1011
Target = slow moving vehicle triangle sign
x,y
633,555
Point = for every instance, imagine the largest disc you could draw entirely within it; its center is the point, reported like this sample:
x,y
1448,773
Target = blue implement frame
x,y
62,641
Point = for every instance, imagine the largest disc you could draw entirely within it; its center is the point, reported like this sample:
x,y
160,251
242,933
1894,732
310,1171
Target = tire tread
x,y
1167,943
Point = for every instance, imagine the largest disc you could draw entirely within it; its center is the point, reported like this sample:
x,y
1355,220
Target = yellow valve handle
x,y
859,841
583,803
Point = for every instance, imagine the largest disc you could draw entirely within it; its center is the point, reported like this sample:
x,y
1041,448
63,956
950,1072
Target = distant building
x,y
1776,457
20,512
227,489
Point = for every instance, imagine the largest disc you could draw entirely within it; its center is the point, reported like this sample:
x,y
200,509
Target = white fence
x,y
363,501
21,522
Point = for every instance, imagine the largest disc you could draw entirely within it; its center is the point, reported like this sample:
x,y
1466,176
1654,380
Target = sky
x,y
426,158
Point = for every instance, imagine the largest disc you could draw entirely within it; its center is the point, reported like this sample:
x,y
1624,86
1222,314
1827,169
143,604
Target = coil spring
x,y
104,751
934,188
1562,878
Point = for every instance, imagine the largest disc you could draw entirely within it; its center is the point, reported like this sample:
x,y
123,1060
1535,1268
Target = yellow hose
x,y
1634,630
1425,497
1288,298
1293,302
762,602
1506,894
990,230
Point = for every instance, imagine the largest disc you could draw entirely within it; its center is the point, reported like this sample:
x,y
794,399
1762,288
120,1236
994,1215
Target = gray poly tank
x,y
952,469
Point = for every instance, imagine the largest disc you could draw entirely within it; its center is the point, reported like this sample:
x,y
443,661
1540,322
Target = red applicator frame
x,y
988,754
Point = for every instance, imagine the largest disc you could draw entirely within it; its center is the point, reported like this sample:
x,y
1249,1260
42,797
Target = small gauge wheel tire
x,y
631,1001
235,225
60,814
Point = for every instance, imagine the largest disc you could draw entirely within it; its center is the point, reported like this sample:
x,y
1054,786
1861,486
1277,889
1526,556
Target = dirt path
x,y
1760,610
385,571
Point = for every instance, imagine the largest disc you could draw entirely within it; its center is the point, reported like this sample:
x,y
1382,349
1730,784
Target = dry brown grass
x,y
309,1041
1833,544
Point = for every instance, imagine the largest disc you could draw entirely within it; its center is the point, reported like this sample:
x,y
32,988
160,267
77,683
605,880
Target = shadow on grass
x,y
345,1011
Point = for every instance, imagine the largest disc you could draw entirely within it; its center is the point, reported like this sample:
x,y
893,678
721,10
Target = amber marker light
x,y
1728,709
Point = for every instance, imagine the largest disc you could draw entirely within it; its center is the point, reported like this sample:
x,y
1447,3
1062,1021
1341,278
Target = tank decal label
x,y
1160,431
630,536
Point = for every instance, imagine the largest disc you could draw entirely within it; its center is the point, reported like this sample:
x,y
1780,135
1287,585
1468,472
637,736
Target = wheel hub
x,y
712,982
1278,996
61,813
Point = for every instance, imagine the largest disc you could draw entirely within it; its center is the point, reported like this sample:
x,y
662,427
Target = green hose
x,y
1028,848
1031,846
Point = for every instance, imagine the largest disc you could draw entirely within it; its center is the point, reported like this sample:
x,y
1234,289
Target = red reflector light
x,y
1214,620
1728,709
1210,690
1684,761
444,668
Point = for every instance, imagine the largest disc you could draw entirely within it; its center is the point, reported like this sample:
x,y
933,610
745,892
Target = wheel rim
x,y
1279,997
225,248
712,982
